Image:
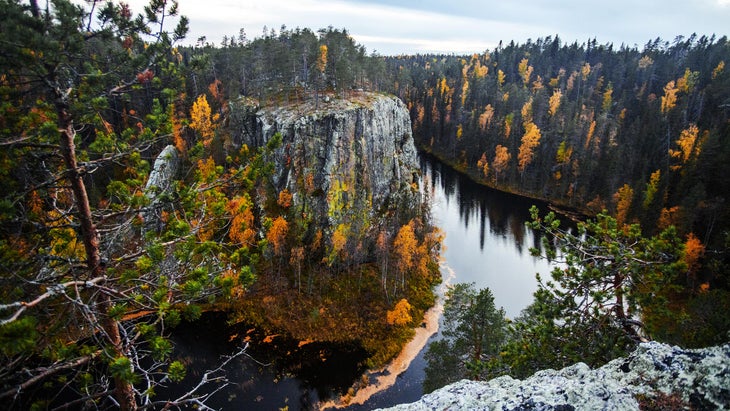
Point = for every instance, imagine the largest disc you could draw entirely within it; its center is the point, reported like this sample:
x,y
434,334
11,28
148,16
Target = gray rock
x,y
160,181
164,170
358,153
701,378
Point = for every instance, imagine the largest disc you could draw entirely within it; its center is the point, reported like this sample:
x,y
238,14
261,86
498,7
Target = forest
x,y
631,141
98,265
102,258
640,133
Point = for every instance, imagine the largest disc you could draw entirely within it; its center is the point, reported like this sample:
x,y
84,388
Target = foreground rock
x,y
656,375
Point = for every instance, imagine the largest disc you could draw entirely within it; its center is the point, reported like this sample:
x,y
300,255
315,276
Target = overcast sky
x,y
461,26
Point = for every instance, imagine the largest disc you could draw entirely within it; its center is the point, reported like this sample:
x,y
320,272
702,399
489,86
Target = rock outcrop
x,y
160,181
656,375
343,160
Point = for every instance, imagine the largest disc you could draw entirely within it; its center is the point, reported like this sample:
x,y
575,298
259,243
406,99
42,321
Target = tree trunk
x,y
123,390
618,280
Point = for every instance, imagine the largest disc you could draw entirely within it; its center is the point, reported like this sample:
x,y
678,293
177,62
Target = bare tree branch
x,y
47,372
51,291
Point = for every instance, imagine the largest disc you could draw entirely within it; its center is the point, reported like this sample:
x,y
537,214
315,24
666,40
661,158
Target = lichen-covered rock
x,y
695,378
343,160
164,170
160,180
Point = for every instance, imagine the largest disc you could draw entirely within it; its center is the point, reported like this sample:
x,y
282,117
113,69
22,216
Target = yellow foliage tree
x,y
405,246
688,81
500,78
339,243
607,98
669,216
564,153
177,137
207,170
530,140
322,59
688,145
718,70
585,71
401,313
645,62
480,71
651,188
537,84
464,90
554,102
623,198
527,112
443,87
570,83
669,99
202,121
525,71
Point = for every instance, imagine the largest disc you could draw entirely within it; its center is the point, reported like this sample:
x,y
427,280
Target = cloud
x,y
425,45
466,26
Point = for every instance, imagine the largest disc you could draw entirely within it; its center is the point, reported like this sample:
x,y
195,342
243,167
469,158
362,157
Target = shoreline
x,y
384,378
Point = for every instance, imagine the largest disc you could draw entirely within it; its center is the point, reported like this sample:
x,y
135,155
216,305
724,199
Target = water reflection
x,y
281,374
487,241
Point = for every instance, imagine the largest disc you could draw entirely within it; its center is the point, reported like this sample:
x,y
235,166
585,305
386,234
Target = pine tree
x,y
84,93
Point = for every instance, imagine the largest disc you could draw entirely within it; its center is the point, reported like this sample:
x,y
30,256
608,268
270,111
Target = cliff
x,y
655,376
344,161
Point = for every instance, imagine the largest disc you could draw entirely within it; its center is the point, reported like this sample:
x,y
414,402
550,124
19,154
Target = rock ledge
x,y
701,378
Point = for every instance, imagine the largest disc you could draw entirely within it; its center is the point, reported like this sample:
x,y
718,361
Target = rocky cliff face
x,y
343,160
656,375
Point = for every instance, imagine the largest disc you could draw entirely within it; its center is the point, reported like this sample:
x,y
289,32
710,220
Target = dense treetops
x,y
574,123
287,65
641,133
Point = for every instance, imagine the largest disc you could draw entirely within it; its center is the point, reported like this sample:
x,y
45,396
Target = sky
x,y
460,26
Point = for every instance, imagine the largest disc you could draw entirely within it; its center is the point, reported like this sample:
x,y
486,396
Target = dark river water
x,y
486,242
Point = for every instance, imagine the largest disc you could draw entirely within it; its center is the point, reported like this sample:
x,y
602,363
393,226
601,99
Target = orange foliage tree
x,y
405,247
277,235
694,250
242,222
501,160
400,314
623,198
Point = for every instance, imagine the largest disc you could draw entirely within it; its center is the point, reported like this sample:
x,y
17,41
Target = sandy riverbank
x,y
385,378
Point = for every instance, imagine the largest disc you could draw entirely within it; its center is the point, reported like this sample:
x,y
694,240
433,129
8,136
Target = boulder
x,y
655,375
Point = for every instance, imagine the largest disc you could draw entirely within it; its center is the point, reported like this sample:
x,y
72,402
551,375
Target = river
x,y
486,242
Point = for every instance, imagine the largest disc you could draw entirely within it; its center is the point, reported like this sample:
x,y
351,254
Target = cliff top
x,y
324,104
